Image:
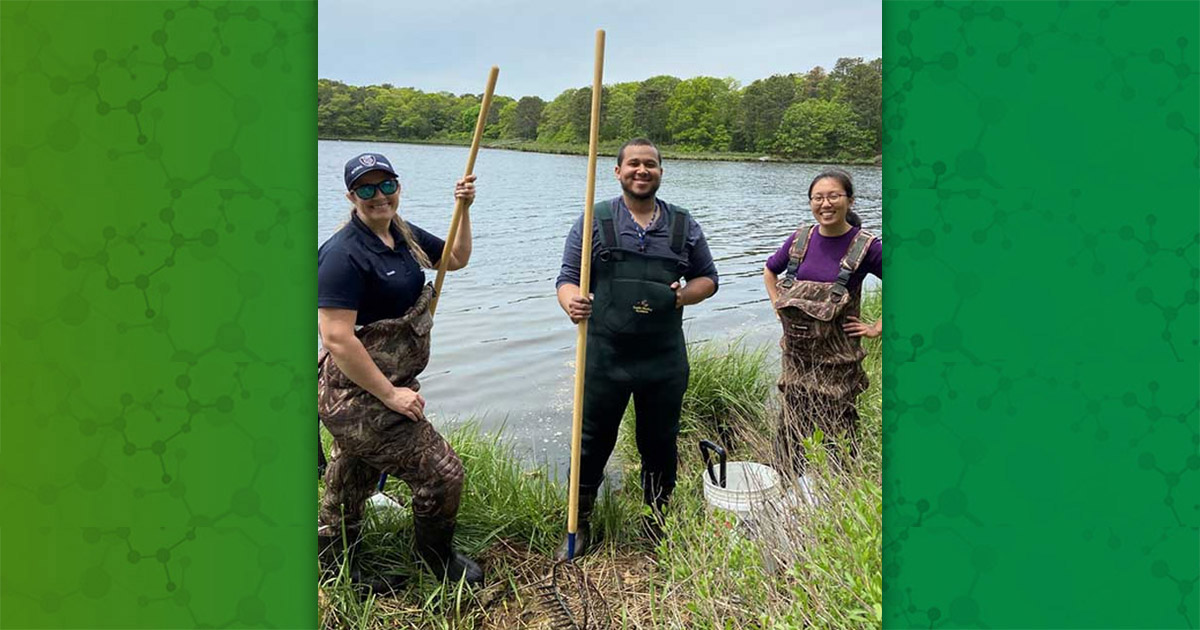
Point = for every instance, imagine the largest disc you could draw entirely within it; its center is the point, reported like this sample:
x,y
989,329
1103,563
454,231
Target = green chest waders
x,y
636,331
822,373
635,348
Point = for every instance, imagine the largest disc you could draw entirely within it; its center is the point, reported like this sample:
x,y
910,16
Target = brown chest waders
x,y
822,373
370,438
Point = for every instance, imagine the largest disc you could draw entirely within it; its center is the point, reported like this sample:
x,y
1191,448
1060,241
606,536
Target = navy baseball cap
x,y
365,163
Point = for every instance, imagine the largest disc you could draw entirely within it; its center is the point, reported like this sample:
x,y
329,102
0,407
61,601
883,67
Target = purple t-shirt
x,y
821,261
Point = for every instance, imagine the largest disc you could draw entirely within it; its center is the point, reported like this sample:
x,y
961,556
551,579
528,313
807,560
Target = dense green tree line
x,y
815,115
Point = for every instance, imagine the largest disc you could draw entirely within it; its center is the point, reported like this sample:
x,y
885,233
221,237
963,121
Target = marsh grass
x,y
799,565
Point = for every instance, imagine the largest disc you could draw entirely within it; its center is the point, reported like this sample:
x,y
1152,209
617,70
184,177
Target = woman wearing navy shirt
x,y
374,320
815,282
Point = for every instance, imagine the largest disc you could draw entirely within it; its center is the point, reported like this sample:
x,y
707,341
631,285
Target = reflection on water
x,y
503,351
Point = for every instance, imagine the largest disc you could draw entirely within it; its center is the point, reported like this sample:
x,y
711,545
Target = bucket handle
x,y
705,447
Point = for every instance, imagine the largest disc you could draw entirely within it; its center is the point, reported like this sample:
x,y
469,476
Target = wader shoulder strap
x,y
854,255
679,228
798,249
602,212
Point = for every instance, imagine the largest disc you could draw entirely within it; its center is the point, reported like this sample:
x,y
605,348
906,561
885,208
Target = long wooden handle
x,y
459,205
585,277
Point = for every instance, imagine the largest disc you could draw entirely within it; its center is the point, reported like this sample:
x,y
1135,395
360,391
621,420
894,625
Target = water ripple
x,y
503,351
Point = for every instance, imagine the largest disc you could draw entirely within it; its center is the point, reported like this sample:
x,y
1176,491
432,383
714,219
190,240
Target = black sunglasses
x,y
367,191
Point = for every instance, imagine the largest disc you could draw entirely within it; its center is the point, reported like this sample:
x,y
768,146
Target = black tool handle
x,y
705,447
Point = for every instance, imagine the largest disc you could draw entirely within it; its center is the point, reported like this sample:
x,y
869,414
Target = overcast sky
x,y
545,47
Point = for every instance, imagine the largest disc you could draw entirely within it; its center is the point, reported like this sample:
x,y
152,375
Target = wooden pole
x,y
459,206
585,277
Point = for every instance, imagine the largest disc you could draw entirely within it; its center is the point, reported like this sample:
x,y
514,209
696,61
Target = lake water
x,y
503,350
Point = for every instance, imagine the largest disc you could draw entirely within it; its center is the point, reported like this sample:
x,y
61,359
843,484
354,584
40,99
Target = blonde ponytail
x,y
413,245
410,240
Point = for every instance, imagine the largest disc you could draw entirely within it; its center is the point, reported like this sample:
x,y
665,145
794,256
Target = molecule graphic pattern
x,y
152,184
1041,421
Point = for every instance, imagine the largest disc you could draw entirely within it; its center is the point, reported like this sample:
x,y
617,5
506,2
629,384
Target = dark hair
x,y
842,178
637,142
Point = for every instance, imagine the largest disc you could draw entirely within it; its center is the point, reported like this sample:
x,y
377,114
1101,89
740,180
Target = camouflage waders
x,y
822,372
370,438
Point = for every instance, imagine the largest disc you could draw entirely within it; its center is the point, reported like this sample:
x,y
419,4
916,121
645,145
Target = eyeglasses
x,y
831,197
367,191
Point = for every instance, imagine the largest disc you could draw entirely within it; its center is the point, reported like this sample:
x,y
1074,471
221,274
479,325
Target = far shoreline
x,y
609,150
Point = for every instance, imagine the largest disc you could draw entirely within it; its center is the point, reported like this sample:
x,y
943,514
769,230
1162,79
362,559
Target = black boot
x,y
434,539
335,553
583,537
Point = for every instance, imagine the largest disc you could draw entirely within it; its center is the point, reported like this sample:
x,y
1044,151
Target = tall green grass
x,y
800,566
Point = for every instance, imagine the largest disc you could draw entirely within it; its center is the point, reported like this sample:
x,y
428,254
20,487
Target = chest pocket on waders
x,y
811,310
633,289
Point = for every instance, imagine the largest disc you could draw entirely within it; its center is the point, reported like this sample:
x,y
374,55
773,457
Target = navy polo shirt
x,y
357,271
654,241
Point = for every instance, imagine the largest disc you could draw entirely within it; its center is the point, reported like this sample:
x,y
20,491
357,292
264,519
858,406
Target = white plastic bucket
x,y
748,488
741,487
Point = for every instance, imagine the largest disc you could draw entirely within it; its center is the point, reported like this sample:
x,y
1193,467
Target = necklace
x,y
653,218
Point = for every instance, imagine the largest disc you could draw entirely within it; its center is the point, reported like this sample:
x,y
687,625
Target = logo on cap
x,y
367,160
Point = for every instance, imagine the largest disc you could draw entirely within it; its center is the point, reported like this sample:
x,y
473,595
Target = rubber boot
x,y
583,535
334,553
434,539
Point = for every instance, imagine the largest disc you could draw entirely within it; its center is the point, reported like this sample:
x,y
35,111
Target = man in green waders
x,y
642,248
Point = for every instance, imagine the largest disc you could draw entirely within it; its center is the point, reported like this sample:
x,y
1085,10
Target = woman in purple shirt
x,y
815,284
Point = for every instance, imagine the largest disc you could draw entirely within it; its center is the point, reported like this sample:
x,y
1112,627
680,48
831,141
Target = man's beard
x,y
640,196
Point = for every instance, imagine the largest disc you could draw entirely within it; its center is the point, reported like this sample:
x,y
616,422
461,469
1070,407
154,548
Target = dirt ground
x,y
620,584
620,581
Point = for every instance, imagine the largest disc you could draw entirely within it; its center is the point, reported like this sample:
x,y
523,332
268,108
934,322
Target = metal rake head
x,y
572,601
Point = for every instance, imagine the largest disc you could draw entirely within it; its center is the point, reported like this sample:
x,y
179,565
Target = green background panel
x,y
1040,394
157,412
